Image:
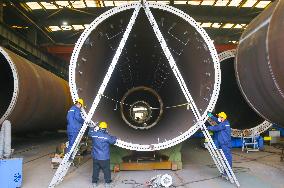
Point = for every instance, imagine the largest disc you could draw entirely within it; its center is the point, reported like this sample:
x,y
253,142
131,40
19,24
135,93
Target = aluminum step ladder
x,y
68,158
217,155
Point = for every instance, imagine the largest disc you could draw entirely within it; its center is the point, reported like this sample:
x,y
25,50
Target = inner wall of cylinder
x,y
6,85
143,63
231,101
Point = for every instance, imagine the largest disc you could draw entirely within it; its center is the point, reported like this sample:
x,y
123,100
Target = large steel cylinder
x,y
143,102
259,63
241,116
32,98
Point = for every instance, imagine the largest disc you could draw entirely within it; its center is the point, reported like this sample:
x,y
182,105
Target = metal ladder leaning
x,y
68,158
217,155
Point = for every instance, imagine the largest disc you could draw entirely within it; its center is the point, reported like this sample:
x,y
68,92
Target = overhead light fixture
x,y
64,23
262,4
66,27
78,4
244,26
216,25
62,4
119,3
235,3
193,2
208,2
109,3
207,24
86,26
238,26
228,25
91,3
249,3
221,3
180,2
19,27
48,5
78,27
54,28
34,5
164,2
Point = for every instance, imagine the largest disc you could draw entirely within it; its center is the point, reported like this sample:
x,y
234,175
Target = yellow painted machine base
x,y
136,166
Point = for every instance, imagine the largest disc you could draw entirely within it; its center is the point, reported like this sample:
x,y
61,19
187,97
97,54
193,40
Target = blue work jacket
x,y
101,142
74,120
223,131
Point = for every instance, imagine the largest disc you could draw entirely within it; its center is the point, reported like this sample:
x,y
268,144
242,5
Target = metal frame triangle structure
x,y
217,155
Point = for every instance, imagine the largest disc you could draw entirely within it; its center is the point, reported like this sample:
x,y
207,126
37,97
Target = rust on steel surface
x,y
41,98
259,64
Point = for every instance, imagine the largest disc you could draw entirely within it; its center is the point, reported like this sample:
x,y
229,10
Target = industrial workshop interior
x,y
141,93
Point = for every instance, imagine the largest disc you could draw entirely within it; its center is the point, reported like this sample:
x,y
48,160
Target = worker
x,y
101,153
75,122
223,131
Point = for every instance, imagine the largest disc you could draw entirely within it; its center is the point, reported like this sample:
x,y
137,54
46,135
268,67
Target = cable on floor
x,y
134,183
196,181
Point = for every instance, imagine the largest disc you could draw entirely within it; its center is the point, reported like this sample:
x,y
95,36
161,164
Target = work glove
x,y
90,124
209,114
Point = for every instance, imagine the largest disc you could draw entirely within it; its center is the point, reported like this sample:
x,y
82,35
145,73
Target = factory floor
x,y
256,169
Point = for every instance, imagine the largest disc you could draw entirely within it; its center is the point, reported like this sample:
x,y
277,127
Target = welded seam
x,y
268,59
256,29
255,130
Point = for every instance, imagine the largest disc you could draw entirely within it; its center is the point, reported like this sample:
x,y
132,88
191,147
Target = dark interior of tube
x,y
231,101
143,64
6,85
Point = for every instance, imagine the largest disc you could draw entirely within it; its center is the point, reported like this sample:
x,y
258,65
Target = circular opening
x,y
144,63
6,85
231,100
140,112
141,108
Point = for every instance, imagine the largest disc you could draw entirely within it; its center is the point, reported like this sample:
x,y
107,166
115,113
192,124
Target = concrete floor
x,y
255,169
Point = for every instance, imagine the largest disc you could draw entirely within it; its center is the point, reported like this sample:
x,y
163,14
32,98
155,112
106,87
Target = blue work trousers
x,y
71,138
226,148
105,166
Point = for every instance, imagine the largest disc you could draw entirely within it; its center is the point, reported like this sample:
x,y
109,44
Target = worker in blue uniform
x,y
223,131
74,122
101,153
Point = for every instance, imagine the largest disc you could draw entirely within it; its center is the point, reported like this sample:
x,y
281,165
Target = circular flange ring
x,y
143,88
252,131
217,76
16,86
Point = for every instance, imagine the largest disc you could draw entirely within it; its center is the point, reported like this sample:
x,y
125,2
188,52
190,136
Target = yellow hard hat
x,y
222,115
81,101
103,125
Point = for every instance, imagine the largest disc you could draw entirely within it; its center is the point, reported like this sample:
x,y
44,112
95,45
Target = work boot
x,y
108,185
225,176
95,185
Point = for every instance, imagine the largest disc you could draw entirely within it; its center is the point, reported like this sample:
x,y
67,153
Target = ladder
x,y
217,155
68,158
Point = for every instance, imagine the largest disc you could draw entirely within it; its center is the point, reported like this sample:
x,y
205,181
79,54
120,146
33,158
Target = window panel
x,y
235,3
262,4
221,3
78,4
34,5
249,3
